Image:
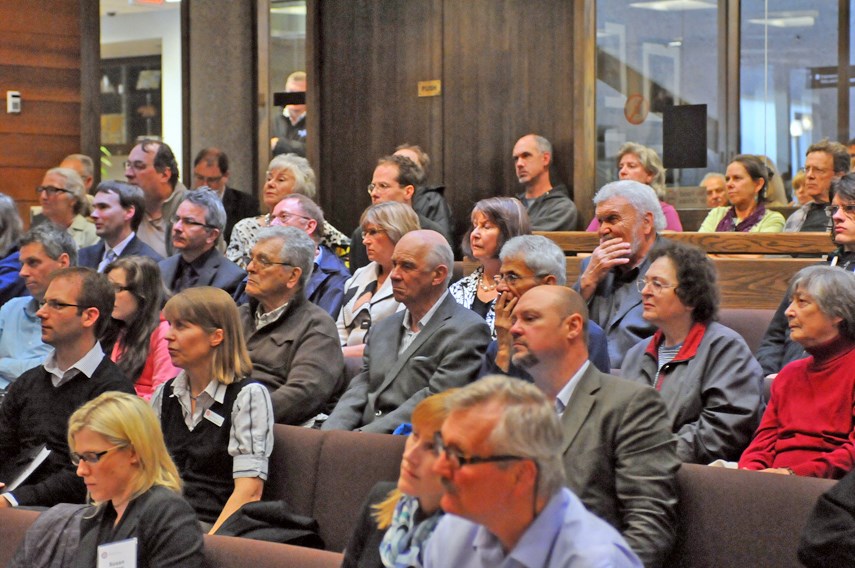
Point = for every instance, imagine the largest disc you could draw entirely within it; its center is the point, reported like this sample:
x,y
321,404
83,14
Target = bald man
x,y
549,208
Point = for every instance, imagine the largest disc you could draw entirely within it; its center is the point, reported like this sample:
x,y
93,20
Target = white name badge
x,y
122,554
214,417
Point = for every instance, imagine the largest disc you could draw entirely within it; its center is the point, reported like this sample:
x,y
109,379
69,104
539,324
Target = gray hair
x,y
650,161
540,254
528,427
544,145
304,175
215,213
297,249
11,226
74,184
54,240
86,163
312,210
397,219
833,290
712,175
441,253
641,197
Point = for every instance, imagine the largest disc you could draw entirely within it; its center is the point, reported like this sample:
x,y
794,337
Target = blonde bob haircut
x,y
127,421
213,309
395,218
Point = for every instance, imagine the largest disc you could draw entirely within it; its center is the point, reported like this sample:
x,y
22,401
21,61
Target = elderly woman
x,y
808,428
747,179
710,382
397,519
368,294
286,174
494,221
218,429
11,228
63,200
642,164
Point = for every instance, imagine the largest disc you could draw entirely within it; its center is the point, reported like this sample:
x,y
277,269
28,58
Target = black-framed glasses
x,y
265,262
848,210
90,457
655,285
187,221
56,305
136,166
458,460
50,190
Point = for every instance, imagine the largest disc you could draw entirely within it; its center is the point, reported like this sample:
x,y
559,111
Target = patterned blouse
x,y
465,290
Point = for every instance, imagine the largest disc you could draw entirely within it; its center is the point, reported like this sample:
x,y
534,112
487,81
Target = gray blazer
x,y
218,271
620,458
446,353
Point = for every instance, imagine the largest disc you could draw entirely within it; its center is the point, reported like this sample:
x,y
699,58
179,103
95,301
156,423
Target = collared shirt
x,y
410,335
118,250
563,397
251,435
86,365
21,345
262,319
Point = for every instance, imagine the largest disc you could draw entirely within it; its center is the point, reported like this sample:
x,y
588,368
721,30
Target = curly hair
x,y
697,285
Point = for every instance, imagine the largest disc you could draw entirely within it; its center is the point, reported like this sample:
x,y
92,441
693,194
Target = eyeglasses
x,y
119,288
50,190
209,181
55,305
458,460
848,210
284,217
190,222
382,187
655,285
136,166
511,279
265,262
90,457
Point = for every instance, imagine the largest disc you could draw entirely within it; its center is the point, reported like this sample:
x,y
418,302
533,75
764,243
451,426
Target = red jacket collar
x,y
690,344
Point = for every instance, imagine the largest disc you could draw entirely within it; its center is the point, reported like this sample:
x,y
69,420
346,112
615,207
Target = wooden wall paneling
x,y
585,109
90,83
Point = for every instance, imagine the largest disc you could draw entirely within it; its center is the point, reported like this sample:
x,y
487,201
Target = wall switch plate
x,y
13,102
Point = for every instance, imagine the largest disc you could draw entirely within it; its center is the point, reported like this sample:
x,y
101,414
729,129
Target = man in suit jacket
x,y
196,229
117,209
629,215
620,456
211,169
431,346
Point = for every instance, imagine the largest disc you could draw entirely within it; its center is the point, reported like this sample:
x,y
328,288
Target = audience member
x,y
776,193
619,453
549,208
368,297
499,457
289,127
151,165
715,190
140,348
44,249
34,414
629,215
63,200
196,228
11,227
800,196
211,169
808,427
431,346
117,210
829,535
217,427
825,162
494,221
84,166
747,182
428,200
851,148
710,382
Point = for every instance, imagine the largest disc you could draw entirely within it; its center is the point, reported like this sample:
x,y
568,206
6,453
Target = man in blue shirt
x,y
499,459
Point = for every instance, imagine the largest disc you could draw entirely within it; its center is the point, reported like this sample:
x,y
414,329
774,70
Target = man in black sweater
x,y
74,313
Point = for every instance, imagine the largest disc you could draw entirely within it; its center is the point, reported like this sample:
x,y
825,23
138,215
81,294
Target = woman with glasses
x,y
218,428
368,293
397,519
140,348
62,196
286,174
705,372
494,221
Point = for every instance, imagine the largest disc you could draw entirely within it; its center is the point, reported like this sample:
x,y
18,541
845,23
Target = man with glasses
x,y
293,344
499,460
619,454
825,162
211,169
196,229
549,208
74,313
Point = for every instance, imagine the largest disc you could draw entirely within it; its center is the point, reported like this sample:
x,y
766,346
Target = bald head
x,y
421,269
564,301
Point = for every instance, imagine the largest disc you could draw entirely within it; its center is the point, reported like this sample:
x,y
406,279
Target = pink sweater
x,y
158,366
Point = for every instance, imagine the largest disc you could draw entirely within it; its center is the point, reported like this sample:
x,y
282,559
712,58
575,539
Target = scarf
x,y
728,222
403,543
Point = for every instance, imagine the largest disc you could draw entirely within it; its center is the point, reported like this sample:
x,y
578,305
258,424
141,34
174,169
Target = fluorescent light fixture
x,y
790,19
291,10
674,5
675,43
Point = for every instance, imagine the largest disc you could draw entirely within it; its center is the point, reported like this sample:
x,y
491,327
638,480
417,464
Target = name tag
x,y
214,417
122,554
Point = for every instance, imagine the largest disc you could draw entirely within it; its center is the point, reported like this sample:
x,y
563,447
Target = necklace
x,y
485,287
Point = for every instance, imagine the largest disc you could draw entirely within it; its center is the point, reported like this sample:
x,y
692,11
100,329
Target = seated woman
x,y
140,347
11,228
117,445
368,293
218,429
396,520
495,220
710,382
63,200
809,428
747,179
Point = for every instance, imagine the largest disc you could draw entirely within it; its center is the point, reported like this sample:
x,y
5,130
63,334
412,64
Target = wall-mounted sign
x,y
430,88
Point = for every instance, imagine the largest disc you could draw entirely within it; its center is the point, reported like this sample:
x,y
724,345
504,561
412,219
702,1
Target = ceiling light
x,y
790,19
674,5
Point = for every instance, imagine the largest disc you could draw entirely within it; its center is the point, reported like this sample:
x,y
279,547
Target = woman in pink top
x,y
140,348
642,164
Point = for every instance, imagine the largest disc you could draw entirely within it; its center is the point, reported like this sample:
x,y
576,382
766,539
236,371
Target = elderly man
x,y
825,161
432,345
44,250
499,459
75,313
84,166
715,190
63,200
117,209
619,453
211,169
325,287
549,208
151,165
196,228
293,343
630,215
428,200
529,261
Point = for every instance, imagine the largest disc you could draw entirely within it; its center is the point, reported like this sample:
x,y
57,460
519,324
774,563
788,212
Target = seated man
x,y
620,456
428,200
211,170
196,229
499,458
75,313
432,345
549,208
44,249
293,344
